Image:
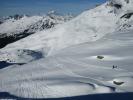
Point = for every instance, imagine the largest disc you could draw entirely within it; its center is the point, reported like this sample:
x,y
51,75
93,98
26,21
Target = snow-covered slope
x,y
90,54
75,70
89,26
15,28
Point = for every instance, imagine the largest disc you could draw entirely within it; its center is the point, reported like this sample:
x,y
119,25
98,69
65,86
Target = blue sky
x,y
34,7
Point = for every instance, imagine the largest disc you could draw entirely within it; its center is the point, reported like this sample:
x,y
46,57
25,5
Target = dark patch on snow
x,y
4,64
114,67
127,15
1,22
118,6
6,95
100,57
34,54
118,83
4,39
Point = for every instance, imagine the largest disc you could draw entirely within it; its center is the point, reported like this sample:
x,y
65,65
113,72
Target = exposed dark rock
x,y
100,57
127,15
4,40
118,83
116,5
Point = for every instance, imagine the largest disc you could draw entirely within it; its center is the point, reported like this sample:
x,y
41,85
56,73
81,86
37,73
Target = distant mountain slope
x,y
16,27
89,26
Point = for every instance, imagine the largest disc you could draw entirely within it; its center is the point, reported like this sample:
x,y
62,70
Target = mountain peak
x,y
122,3
121,6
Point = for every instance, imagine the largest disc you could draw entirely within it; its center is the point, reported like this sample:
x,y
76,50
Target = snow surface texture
x,y
67,69
75,70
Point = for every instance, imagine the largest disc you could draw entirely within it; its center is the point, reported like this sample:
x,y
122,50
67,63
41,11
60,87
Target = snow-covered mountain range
x,y
17,27
89,54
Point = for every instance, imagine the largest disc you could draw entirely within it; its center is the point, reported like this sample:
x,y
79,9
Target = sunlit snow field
x,y
90,54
